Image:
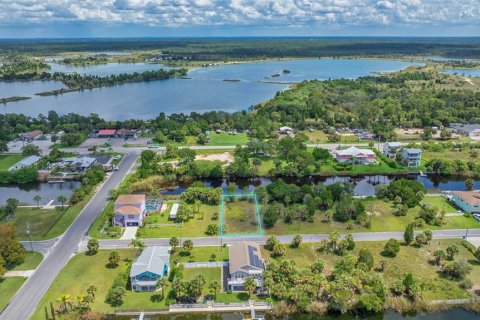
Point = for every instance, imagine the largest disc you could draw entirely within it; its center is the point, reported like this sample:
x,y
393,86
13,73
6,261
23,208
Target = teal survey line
x,y
257,211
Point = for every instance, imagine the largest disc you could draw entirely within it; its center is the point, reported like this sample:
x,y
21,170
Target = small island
x,y
13,99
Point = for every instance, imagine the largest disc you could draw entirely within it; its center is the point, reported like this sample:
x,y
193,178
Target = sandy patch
x,y
223,157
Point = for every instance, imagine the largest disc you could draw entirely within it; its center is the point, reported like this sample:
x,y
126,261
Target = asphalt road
x,y
217,241
28,297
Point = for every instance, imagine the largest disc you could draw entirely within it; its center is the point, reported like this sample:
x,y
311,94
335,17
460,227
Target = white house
x,y
130,209
468,201
152,265
27,162
390,149
412,156
245,261
354,155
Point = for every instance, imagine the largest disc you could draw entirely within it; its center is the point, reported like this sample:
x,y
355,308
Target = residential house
x,y
470,130
31,136
27,162
76,164
286,130
152,265
390,149
354,155
130,209
412,156
468,201
103,160
245,261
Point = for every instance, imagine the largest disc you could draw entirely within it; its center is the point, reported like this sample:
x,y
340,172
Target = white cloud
x,y
244,12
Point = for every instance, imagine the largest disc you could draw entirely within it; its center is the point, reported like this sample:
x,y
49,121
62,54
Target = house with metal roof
x,y
354,155
245,261
27,162
468,201
130,209
152,265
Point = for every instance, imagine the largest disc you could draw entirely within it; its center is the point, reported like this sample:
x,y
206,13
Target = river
x,y
456,314
364,185
204,90
48,191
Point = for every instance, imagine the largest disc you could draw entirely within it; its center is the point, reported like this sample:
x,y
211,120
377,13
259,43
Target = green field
x,y
447,155
8,287
200,254
409,260
32,260
6,161
225,139
210,275
240,216
441,203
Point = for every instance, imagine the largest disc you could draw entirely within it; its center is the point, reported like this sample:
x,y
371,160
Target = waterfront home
x,y
468,201
76,164
31,136
152,265
103,160
130,209
27,162
245,261
412,156
354,155
390,149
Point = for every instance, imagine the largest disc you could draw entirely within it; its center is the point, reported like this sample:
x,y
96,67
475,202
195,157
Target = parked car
x,y
476,216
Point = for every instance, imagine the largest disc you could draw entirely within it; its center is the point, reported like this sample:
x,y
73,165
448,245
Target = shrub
x,y
392,247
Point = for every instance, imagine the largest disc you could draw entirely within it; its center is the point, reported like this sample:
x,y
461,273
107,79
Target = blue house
x,y
412,156
468,201
152,265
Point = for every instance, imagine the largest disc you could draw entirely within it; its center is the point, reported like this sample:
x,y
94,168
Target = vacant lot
x,y
240,215
225,139
6,161
434,286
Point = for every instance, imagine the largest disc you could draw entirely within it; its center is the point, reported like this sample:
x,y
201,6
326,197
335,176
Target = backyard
x,y
6,161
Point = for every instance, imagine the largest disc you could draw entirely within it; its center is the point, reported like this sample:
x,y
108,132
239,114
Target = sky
x,y
184,18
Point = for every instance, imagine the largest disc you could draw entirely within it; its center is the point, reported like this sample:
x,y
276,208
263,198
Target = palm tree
x,y
79,298
65,300
136,243
439,255
37,199
62,199
114,258
198,204
469,183
91,290
188,245
161,283
250,285
173,243
214,286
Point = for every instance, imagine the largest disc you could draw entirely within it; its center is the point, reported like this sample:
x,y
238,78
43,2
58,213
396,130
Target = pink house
x,y
354,155
130,209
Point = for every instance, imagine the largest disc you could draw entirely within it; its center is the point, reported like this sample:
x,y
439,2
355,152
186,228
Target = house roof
x,y
107,132
130,199
28,161
102,158
394,144
128,209
285,129
173,211
152,259
354,152
412,150
84,161
33,134
245,256
471,197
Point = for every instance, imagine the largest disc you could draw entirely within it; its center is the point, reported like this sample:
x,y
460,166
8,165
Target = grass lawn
x,y
210,275
447,155
409,260
225,139
441,203
195,227
206,152
240,216
6,161
32,260
317,136
100,222
200,254
8,287
380,168
207,165
60,145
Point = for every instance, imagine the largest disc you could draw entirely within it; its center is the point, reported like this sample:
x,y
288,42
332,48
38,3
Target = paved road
x,y
43,246
216,241
27,298
329,146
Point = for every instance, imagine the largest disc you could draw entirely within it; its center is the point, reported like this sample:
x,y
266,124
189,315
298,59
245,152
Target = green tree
x,y
65,302
92,246
11,251
114,258
116,295
392,247
214,286
439,255
452,250
188,246
62,199
366,257
271,242
37,198
410,285
297,240
92,290
250,285
318,266
408,236
173,243
30,150
469,183
161,283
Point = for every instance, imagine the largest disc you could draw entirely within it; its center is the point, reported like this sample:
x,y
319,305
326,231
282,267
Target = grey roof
x,y
394,144
245,256
152,259
465,127
412,150
28,161
102,158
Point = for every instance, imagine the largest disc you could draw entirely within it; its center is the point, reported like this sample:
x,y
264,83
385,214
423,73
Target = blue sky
x,y
169,18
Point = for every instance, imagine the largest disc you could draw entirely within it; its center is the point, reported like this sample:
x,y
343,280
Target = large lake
x,y
206,89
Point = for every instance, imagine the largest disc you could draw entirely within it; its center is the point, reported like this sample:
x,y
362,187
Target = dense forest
x,y
238,48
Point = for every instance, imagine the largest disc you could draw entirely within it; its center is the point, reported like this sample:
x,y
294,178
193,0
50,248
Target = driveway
x,y
129,233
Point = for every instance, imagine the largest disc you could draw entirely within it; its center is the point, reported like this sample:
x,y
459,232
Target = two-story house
x,y
152,265
245,261
468,201
130,209
390,149
354,155
412,156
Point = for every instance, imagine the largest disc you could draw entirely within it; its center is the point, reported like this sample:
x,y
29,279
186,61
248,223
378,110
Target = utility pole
x,y
29,236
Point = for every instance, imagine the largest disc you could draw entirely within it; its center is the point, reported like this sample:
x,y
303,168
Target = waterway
x,y
48,191
205,89
364,185
107,69
456,314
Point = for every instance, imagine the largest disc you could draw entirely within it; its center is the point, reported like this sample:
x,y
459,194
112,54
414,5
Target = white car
x,y
476,216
